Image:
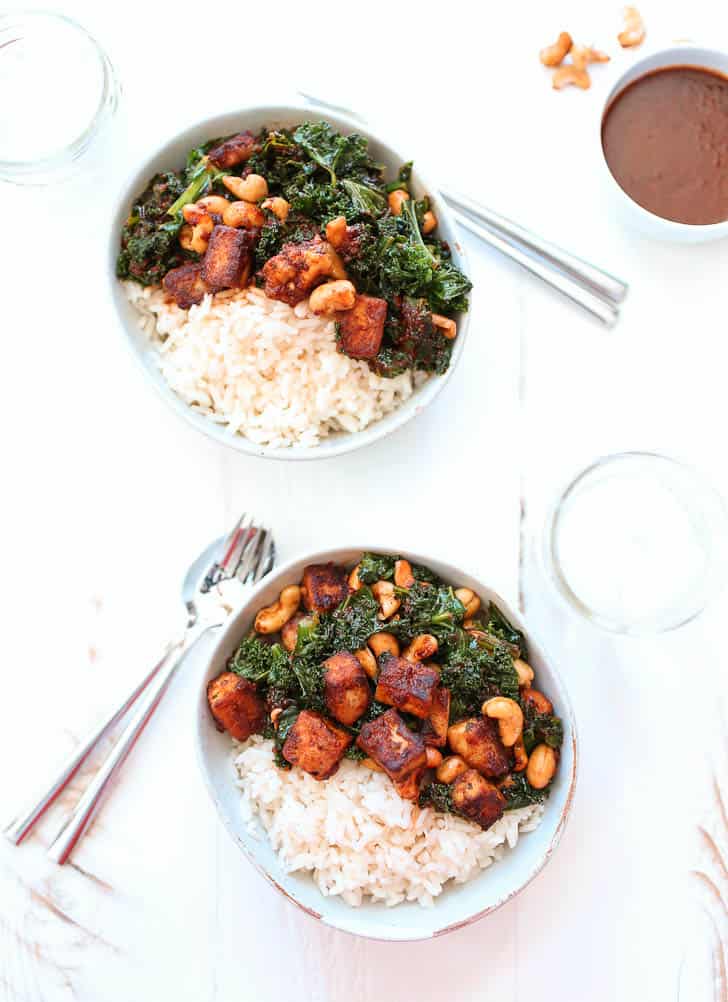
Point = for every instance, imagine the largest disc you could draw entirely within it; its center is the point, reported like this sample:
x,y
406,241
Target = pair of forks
x,y
217,578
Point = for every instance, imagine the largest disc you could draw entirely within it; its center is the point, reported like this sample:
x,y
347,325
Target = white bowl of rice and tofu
x,y
291,284
386,742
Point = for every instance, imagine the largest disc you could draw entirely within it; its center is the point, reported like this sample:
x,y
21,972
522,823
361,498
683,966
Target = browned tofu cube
x,y
397,749
185,284
291,274
434,729
324,587
227,259
346,688
361,328
477,799
408,685
233,151
477,742
235,705
315,744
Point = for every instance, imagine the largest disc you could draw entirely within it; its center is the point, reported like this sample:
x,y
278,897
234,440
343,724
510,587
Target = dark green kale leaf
x,y
542,728
149,245
438,796
375,567
286,720
355,620
474,672
498,626
314,644
367,201
355,752
427,608
266,664
519,792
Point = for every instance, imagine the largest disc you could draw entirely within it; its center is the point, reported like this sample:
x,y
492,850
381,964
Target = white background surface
x,y
107,496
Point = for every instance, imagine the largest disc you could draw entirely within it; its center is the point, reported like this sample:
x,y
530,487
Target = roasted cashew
x,y
332,297
368,662
537,701
250,189
274,715
570,75
583,55
336,231
446,326
278,206
450,768
469,599
354,582
634,29
520,756
383,591
541,766
509,716
395,199
273,617
420,648
434,757
525,673
429,222
371,764
554,55
383,643
213,203
403,576
243,215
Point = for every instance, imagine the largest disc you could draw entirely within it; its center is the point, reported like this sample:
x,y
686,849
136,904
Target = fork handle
x,y
73,829
22,824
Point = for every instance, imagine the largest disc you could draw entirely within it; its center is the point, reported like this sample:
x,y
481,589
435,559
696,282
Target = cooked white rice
x,y
356,835
268,371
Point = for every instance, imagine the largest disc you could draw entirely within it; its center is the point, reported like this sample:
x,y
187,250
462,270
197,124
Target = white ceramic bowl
x,y
459,904
171,155
633,214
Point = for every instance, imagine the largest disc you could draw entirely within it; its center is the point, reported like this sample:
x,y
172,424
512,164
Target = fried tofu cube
x,y
291,274
235,705
185,284
324,587
227,260
361,328
397,749
315,745
477,741
477,799
346,688
434,729
408,685
233,151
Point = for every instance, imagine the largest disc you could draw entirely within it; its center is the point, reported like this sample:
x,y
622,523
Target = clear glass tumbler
x,y
637,543
58,93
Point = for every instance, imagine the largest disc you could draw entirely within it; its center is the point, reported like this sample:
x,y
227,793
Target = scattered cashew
x,y
509,716
243,214
446,326
421,648
434,757
450,768
583,55
213,203
278,206
634,29
403,576
273,617
554,55
354,582
541,766
250,189
383,591
383,643
368,662
537,701
371,764
566,75
520,756
332,296
196,238
274,715
395,199
469,599
525,673
429,222
336,231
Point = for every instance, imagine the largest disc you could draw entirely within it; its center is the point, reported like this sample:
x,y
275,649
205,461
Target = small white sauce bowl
x,y
171,156
459,904
630,211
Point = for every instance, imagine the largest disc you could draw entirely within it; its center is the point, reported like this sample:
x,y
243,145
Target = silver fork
x,y
239,559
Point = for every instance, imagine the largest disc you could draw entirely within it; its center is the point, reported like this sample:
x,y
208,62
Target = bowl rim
x,y
342,442
231,626
653,59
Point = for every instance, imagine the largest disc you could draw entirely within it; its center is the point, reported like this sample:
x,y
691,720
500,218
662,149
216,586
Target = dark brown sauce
x,y
665,139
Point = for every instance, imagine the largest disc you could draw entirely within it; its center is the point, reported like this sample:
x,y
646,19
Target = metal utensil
x,y
240,558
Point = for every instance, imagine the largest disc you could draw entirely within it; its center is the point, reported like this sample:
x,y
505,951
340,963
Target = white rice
x,y
356,835
268,371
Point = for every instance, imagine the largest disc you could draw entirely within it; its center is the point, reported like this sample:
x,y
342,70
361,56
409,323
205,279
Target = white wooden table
x,y
106,495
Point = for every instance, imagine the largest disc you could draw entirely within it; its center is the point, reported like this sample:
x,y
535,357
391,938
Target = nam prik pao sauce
x,y
665,139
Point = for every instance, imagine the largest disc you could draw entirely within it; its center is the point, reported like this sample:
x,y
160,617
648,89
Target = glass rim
x,y
659,622
75,148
